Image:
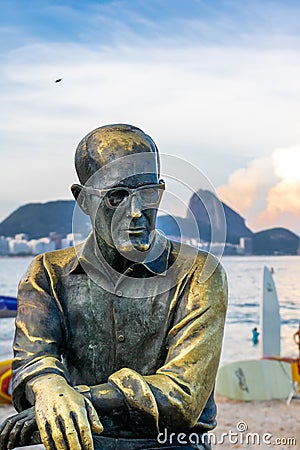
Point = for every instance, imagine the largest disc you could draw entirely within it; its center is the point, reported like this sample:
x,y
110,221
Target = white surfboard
x,y
270,317
254,380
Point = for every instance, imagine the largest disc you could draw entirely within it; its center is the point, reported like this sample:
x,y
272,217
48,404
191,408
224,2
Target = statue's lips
x,y
136,231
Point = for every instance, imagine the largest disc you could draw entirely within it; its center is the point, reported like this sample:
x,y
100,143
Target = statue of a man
x,y
117,339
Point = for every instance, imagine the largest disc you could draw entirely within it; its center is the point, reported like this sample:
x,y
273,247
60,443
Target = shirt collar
x,y
156,261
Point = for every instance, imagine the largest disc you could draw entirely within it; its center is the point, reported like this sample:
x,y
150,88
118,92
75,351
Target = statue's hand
x,y
64,417
17,430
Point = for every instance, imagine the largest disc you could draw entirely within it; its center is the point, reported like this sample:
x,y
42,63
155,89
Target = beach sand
x,y
272,417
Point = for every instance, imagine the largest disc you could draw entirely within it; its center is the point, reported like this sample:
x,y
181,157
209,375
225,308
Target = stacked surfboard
x,y
260,379
271,377
5,381
8,308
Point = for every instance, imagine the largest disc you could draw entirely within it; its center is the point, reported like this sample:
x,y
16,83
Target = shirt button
x,y
121,338
119,293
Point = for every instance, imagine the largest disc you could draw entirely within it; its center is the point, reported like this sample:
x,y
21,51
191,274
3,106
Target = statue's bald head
x,y
109,143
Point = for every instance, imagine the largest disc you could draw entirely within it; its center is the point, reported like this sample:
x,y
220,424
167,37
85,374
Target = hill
x,y
207,209
278,241
39,219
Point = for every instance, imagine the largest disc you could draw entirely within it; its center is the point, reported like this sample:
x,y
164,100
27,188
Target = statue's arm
x,y
183,385
39,333
64,417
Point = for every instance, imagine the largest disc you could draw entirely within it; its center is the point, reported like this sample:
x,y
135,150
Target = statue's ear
x,y
80,197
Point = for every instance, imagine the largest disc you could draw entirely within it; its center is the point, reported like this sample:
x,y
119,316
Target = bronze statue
x,y
117,339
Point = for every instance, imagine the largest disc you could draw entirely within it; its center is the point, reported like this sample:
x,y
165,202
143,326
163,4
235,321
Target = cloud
x,y
283,204
267,192
247,187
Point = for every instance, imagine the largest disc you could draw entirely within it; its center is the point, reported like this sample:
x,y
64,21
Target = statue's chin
x,y
129,248
142,247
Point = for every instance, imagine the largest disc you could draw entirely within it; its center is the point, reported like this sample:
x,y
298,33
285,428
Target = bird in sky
x,y
58,80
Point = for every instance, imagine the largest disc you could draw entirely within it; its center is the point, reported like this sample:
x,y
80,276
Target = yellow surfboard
x,y
5,381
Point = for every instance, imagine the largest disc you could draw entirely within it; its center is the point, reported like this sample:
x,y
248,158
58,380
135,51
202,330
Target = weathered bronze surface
x,y
118,338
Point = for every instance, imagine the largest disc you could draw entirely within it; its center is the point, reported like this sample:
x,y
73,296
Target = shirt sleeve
x,y
176,394
39,332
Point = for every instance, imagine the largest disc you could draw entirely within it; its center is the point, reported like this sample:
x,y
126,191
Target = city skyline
x,y
213,82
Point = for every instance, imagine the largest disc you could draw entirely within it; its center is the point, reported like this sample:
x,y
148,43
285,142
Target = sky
x,y
214,82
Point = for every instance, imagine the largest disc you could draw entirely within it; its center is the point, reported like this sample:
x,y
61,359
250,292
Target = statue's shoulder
x,y
188,252
192,259
60,258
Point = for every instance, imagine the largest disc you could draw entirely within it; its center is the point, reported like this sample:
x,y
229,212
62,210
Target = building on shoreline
x,y
19,245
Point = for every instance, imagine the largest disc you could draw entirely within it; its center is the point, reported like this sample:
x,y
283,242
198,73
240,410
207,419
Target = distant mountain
x,y
206,208
39,219
275,241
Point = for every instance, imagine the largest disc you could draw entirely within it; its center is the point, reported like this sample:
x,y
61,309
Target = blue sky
x,y
212,21
213,82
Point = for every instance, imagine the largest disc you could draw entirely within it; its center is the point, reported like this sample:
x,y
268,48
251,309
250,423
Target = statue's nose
x,y
135,207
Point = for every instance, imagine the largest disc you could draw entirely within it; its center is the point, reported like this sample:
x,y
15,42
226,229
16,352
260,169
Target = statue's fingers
x,y
4,435
5,431
10,428
3,425
84,433
28,428
14,435
46,434
3,441
9,422
94,420
70,433
24,424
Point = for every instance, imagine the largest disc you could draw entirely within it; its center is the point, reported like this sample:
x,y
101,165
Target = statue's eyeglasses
x,y
148,195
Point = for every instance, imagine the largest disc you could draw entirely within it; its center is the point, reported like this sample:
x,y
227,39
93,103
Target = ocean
x,y
245,294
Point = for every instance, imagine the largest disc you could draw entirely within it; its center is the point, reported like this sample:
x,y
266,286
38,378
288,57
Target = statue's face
x,y
125,219
131,223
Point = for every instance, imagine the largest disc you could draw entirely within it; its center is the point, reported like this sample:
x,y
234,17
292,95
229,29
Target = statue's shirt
x,y
154,333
